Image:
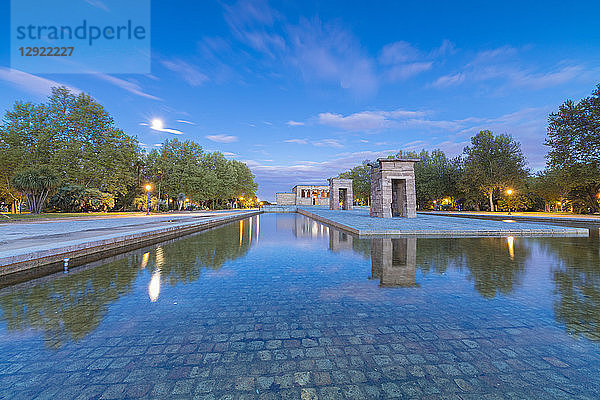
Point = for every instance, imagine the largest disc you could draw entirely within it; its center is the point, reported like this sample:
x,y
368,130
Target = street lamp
x,y
509,192
148,188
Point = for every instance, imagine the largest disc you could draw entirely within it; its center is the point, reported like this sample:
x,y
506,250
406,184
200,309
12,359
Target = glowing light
x,y
241,197
145,259
157,124
508,220
148,187
160,257
511,249
154,286
509,192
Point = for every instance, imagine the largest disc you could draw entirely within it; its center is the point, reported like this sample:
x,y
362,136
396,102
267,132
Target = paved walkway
x,y
32,240
521,216
359,222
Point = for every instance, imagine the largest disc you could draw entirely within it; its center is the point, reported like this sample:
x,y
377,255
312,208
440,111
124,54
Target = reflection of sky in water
x,y
526,308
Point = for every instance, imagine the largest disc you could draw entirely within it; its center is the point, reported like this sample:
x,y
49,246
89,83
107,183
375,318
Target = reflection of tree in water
x,y
71,306
183,260
577,279
495,265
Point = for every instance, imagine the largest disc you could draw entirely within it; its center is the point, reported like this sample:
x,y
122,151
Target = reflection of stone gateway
x,y
394,261
340,192
393,191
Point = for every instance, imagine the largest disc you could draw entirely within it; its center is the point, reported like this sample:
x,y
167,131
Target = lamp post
x,y
509,192
148,188
241,199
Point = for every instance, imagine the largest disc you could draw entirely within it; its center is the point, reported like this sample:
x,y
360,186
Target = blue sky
x,y
303,90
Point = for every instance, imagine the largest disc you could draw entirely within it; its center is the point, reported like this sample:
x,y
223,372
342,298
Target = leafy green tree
x,y
76,198
437,177
574,140
36,183
361,182
493,162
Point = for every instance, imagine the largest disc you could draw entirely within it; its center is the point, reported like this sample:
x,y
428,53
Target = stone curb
x,y
26,261
562,232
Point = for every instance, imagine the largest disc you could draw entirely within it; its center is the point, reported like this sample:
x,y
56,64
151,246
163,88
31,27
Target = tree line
x,y
68,155
479,178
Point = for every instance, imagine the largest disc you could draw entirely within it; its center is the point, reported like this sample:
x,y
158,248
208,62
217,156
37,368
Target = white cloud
x,y
129,86
449,80
328,143
188,72
222,138
297,141
227,153
166,130
405,71
325,52
294,123
366,120
398,52
183,121
31,83
502,64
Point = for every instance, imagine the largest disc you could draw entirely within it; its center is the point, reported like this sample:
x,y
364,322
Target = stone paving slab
x,y
28,245
359,222
521,216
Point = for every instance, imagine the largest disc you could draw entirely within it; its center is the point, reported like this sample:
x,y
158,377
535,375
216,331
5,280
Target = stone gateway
x,y
340,192
393,191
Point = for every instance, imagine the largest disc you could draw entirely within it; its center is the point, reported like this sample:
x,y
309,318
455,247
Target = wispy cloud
x,y
294,123
31,83
222,138
367,120
183,121
131,87
297,141
401,60
167,130
186,71
328,143
503,64
98,4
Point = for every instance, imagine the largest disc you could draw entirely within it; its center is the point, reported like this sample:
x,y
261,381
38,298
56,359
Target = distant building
x,y
305,195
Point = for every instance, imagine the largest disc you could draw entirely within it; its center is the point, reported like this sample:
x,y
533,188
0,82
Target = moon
x,y
157,124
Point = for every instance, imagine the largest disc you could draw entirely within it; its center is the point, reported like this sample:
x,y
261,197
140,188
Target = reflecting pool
x,y
281,306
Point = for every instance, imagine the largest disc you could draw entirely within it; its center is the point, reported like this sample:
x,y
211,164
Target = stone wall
x,y
305,197
335,184
285,199
393,188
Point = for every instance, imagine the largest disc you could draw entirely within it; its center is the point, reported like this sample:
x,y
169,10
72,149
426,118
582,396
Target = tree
x,y
574,139
493,163
36,183
436,177
361,181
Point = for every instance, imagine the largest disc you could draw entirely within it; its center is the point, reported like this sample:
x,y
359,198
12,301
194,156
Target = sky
x,y
301,91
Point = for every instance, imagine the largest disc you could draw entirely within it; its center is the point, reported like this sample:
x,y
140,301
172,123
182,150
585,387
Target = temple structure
x,y
304,195
341,196
393,191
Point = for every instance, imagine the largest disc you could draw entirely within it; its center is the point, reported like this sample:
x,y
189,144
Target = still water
x,y
281,306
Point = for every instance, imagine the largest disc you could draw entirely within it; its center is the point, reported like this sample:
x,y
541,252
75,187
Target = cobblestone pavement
x,y
266,309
